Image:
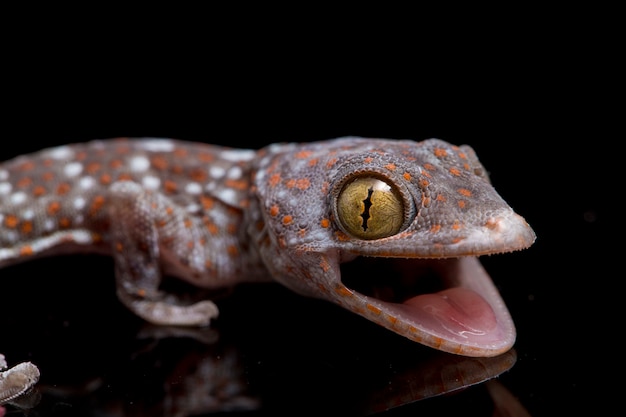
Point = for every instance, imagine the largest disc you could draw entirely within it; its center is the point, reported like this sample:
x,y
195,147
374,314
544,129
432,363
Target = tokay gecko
x,y
301,214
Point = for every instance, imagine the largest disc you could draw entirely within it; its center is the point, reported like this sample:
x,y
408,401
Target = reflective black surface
x,y
539,131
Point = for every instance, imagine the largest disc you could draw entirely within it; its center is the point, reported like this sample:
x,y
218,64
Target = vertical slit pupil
x,y
367,203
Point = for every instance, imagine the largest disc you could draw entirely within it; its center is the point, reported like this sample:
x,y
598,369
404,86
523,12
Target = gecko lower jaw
x,y
451,304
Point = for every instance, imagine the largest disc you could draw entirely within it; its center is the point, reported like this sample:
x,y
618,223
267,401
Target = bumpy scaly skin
x,y
215,216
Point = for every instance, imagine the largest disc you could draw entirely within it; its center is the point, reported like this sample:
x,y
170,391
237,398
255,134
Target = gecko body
x,y
301,214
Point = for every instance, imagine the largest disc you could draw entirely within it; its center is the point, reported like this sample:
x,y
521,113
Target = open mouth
x,y
449,303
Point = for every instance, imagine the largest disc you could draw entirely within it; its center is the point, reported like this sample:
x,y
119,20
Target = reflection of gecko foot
x,y
16,381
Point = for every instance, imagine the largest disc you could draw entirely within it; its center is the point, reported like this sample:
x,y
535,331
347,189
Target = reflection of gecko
x,y
293,213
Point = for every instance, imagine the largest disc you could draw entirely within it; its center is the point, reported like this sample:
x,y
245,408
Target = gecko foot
x,y
164,313
17,381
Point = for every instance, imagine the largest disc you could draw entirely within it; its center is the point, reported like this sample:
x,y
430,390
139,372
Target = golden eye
x,y
370,208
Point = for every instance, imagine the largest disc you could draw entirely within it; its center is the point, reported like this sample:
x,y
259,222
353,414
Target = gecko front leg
x,y
147,227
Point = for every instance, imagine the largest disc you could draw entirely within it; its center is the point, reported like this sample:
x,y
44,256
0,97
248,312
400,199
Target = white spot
x,y
81,236
73,169
234,173
48,225
139,163
9,236
4,174
5,188
79,203
79,219
157,145
61,152
28,214
227,195
151,182
18,198
217,171
193,208
86,182
238,154
193,188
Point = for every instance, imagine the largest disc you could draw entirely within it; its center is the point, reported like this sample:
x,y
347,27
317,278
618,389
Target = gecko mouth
x,y
449,303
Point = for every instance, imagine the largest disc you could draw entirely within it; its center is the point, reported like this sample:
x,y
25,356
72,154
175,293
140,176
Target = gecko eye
x,y
370,208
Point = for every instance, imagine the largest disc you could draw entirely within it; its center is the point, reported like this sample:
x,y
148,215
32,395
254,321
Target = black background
x,y
537,104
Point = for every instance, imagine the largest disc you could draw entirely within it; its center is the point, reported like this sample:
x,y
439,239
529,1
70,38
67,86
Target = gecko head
x,y
401,231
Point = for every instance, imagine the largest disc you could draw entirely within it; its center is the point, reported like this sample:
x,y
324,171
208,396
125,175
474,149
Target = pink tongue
x,y
458,310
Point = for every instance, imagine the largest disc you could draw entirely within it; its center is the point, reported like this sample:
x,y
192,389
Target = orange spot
x,y
96,204
169,211
313,162
159,162
190,244
274,210
435,228
116,164
63,188
290,183
325,223
373,309
26,250
440,152
491,224
198,175
462,155
212,228
96,237
105,179
331,162
119,247
236,184
441,198
456,225
141,292
344,292
466,166
26,166
180,152
303,183
188,223
92,167
429,167
461,203
392,319
287,219
124,177
206,157
455,171
324,264
64,223
39,191
274,180
170,186
26,227
11,221
47,176
303,154
302,232
368,160
391,167
407,176
457,239
465,192
341,236
207,202
54,207
24,182
424,183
